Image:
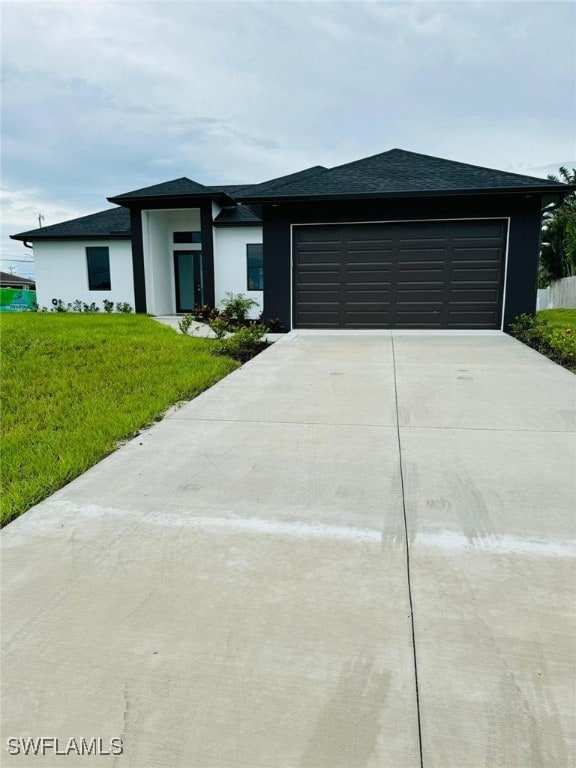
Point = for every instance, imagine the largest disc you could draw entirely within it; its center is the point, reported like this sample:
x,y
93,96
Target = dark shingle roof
x,y
239,215
395,173
8,279
283,182
174,188
230,189
114,222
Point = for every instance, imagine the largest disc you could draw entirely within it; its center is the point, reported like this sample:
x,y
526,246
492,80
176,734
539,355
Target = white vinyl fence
x,y
560,293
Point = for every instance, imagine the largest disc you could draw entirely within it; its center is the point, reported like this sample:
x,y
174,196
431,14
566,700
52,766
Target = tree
x,y
558,252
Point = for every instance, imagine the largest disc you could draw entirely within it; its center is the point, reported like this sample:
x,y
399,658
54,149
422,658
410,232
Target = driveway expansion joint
x,y
408,576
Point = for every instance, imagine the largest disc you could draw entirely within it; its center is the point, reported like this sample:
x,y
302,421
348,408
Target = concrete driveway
x,y
354,552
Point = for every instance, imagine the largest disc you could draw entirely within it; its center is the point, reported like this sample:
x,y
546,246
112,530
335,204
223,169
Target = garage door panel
x,y
421,255
320,235
366,318
366,233
324,318
368,277
484,255
423,318
319,296
316,276
475,274
419,295
480,228
380,296
369,256
418,275
311,258
468,319
474,295
405,275
420,230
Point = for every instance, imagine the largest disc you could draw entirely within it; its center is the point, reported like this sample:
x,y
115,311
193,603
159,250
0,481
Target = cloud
x,y
100,98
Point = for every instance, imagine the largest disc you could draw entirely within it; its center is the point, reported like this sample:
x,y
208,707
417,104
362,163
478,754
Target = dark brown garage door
x,y
404,275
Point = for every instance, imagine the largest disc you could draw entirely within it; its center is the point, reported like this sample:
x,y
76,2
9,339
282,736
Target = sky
x,y
102,98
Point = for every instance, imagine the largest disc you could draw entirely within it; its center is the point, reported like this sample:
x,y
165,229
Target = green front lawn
x,y
558,318
73,385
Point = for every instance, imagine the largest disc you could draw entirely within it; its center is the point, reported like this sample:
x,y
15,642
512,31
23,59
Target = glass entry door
x,y
189,280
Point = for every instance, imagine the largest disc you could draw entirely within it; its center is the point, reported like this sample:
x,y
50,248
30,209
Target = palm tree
x,y
558,252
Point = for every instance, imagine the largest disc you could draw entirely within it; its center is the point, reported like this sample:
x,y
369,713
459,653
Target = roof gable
x,y
176,187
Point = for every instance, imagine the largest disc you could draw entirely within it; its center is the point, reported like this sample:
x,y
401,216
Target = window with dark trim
x,y
98,260
255,266
187,237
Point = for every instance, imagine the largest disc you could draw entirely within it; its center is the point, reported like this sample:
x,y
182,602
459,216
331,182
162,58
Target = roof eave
x,y
238,223
140,202
544,189
32,236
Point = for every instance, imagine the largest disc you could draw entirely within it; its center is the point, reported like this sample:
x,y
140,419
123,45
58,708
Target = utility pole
x,y
41,219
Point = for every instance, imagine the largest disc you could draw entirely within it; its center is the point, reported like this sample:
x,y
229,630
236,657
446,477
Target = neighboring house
x,y
398,240
14,281
17,294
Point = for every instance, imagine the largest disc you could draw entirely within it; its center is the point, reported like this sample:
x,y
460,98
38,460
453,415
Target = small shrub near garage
x,y
556,341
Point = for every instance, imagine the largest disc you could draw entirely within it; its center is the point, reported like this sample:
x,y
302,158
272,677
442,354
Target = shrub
x,y
81,306
529,329
237,306
203,313
243,345
563,342
559,344
184,324
274,325
220,326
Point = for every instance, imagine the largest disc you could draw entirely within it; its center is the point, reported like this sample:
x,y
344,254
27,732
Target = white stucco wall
x,y
157,266
230,266
62,272
158,227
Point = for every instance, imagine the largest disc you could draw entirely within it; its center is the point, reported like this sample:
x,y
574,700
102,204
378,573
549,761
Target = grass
x,y
558,318
74,385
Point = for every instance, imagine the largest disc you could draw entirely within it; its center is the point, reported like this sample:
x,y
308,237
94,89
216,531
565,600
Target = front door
x,y
189,280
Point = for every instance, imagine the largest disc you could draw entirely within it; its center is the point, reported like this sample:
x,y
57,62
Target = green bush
x,y
237,306
184,324
81,306
243,345
220,326
557,343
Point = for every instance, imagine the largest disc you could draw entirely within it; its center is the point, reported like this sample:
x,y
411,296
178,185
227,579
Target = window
x,y
188,237
255,264
98,259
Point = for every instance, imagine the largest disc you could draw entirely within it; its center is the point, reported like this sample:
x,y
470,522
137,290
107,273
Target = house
x,y
17,294
7,280
398,239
